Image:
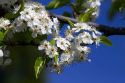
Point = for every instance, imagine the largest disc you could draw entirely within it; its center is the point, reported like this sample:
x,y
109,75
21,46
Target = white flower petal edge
x,y
62,43
1,53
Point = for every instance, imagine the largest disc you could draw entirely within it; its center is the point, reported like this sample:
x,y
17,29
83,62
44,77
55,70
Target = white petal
x,y
1,53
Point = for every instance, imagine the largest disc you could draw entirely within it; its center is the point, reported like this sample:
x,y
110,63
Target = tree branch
x,y
107,30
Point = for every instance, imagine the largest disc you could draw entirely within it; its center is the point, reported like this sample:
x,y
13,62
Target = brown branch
x,y
107,30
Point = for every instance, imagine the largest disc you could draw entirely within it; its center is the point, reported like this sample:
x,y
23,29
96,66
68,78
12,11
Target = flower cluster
x,y
93,5
50,50
72,47
4,23
35,18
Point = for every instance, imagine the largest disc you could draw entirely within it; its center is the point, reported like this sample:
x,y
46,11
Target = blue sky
x,y
108,63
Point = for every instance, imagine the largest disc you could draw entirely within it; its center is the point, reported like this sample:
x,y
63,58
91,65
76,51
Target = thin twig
x,y
107,30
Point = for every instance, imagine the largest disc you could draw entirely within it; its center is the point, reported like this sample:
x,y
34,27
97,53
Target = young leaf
x,y
52,42
57,3
86,16
118,6
1,36
56,59
105,40
39,65
70,22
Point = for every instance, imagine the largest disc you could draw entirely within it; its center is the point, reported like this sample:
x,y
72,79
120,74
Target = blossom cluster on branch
x,y
61,50
93,4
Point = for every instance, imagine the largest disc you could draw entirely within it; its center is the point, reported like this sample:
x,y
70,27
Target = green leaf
x,y
23,37
118,6
80,1
105,40
70,22
85,17
11,15
39,65
1,36
56,59
52,42
57,3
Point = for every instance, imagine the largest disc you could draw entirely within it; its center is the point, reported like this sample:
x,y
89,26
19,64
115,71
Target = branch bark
x,y
106,30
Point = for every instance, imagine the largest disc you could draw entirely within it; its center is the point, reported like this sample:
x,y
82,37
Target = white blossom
x,y
1,53
94,5
81,26
44,45
55,26
86,49
62,43
96,38
4,23
64,57
36,18
52,51
96,32
69,34
85,37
